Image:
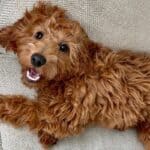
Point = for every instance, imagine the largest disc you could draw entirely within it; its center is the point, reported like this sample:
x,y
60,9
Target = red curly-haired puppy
x,y
78,81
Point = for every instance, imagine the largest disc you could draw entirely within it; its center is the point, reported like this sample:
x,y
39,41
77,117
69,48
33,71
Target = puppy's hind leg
x,y
18,111
144,134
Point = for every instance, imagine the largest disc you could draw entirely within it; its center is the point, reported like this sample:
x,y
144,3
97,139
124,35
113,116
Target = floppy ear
x,y
97,49
6,38
93,47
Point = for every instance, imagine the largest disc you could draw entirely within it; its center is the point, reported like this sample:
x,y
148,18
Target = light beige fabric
x,y
116,23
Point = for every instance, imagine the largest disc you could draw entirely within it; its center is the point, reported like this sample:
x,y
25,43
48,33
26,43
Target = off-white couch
x,y
116,23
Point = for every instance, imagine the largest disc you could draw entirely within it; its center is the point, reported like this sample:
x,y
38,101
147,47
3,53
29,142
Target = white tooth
x,y
31,78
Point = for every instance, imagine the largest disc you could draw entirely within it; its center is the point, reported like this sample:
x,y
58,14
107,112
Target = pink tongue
x,y
33,72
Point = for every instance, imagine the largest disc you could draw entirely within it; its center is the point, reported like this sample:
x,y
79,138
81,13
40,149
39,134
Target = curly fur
x,y
88,84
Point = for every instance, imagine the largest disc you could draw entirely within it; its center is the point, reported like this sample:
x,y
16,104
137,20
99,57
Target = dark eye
x,y
63,47
39,35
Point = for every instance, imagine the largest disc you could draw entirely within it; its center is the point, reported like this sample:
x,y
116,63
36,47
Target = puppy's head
x,y
48,44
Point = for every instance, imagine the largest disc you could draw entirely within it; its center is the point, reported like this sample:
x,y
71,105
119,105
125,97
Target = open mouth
x,y
32,75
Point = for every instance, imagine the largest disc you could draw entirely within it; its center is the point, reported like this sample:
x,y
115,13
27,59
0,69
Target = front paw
x,y
46,139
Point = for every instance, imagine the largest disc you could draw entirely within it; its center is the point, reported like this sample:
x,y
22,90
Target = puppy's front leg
x,y
46,139
18,111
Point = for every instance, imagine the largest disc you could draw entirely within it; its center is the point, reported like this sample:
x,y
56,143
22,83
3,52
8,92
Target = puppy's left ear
x,y
7,40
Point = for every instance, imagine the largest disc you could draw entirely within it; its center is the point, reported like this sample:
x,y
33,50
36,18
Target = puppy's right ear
x,y
6,38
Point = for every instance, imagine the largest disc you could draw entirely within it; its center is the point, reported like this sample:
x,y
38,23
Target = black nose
x,y
38,60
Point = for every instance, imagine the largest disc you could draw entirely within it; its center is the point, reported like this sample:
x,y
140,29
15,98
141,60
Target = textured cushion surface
x,y
117,24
